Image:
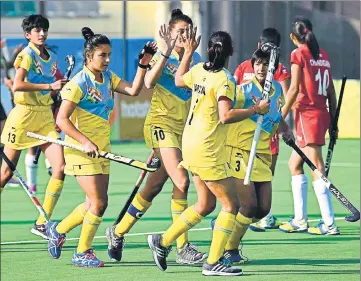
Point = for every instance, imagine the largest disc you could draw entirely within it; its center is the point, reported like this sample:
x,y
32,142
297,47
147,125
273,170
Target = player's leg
x,y
6,172
54,153
140,204
31,169
328,225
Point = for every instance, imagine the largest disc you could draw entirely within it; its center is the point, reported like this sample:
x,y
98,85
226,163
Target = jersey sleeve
x,y
71,92
154,60
226,88
23,60
115,80
296,58
188,78
282,73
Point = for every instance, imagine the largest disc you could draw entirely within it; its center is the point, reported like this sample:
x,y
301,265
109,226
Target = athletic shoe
x,y
160,252
291,227
190,255
13,183
257,227
268,222
32,188
56,240
322,229
221,268
86,259
115,244
235,256
39,230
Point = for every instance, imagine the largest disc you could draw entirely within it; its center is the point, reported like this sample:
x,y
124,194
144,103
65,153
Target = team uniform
x,y
32,111
95,101
245,72
312,118
169,108
204,136
240,134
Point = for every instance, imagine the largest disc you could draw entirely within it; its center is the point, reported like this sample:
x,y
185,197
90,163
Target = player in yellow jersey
x,y
88,100
255,199
36,67
204,150
163,130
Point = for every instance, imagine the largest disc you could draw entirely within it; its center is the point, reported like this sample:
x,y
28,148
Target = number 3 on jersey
x,y
323,83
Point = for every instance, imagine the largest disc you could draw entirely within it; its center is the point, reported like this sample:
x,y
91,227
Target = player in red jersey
x,y
245,72
311,87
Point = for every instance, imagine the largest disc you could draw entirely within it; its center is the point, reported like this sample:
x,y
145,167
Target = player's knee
x,y
100,205
58,169
204,208
295,168
182,184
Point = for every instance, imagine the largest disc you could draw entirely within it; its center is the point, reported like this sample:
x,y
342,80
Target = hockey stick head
x,y
70,60
268,47
355,217
154,164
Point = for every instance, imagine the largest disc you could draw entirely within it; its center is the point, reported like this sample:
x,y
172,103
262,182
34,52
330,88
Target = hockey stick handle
x,y
333,189
135,190
25,186
60,142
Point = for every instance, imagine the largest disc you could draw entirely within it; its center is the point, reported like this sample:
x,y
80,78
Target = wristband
x,y
167,57
143,66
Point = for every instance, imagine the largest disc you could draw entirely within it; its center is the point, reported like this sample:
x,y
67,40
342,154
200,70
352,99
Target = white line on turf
x,y
131,234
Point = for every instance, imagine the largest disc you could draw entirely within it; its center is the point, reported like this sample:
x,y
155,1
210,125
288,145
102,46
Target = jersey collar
x,y
35,49
259,87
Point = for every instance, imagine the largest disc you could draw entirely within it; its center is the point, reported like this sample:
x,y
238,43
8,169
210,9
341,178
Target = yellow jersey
x,y
169,105
40,71
204,136
241,134
95,101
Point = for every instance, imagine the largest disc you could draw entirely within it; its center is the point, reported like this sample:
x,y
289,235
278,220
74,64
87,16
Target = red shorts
x,y
311,126
275,144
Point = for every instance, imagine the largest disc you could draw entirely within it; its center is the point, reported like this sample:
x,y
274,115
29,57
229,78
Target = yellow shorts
x,y
101,168
261,170
214,173
28,118
156,137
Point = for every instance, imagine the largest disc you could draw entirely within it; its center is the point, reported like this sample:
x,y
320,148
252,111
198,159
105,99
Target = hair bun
x,y
87,33
176,13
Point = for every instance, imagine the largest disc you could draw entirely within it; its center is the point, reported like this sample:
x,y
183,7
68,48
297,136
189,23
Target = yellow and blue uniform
x,y
240,134
32,111
95,101
169,108
204,136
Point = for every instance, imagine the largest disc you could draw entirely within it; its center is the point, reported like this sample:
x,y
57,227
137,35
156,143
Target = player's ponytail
x,y
219,49
92,41
302,30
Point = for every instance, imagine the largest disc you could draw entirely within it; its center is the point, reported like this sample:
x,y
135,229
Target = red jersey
x,y
316,77
245,72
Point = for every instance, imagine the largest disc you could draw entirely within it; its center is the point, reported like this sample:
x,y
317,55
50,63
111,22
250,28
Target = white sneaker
x,y
322,229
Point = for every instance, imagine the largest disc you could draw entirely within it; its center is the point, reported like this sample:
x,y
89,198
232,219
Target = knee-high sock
x,y
299,191
52,194
186,221
324,201
73,220
31,169
240,228
178,206
90,226
222,231
135,211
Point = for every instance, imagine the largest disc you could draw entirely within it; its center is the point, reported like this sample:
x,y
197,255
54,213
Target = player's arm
x,y
293,90
285,131
332,102
134,88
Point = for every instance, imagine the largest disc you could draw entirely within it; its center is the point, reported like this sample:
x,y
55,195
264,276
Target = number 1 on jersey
x,y
322,83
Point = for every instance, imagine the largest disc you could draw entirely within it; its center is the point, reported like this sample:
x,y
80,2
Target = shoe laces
x,y
90,254
225,262
118,242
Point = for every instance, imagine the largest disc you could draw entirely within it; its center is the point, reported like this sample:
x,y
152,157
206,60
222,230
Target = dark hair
x,y
177,15
302,30
92,41
219,48
262,56
270,35
34,21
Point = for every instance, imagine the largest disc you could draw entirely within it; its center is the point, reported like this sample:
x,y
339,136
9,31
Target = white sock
x,y
31,169
299,191
324,200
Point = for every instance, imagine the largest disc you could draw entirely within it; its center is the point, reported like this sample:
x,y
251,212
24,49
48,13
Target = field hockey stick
x,y
134,192
340,197
24,185
151,167
71,61
334,128
10,71
274,50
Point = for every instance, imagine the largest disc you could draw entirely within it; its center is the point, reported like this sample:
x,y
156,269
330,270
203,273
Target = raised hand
x,y
146,54
190,43
166,36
